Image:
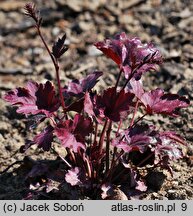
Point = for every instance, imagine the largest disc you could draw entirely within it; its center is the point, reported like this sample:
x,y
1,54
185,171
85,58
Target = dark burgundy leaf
x,y
45,138
156,101
90,81
76,106
82,126
72,133
74,88
128,174
112,49
46,99
79,87
39,169
23,97
59,48
34,98
142,159
137,138
133,57
112,103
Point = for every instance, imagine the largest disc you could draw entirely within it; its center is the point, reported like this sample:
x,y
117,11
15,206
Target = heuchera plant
x,y
104,151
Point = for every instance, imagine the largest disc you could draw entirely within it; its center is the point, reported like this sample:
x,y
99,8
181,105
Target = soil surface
x,y
167,23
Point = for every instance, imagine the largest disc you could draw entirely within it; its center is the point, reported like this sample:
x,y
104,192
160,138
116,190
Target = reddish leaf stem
x,y
71,153
135,111
132,74
59,86
88,168
102,137
139,119
115,148
114,154
110,171
127,81
108,146
57,68
95,132
119,76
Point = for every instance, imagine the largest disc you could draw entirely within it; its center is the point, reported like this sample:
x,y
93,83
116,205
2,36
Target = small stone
x,y
93,51
117,194
155,180
171,191
155,195
189,192
175,184
55,31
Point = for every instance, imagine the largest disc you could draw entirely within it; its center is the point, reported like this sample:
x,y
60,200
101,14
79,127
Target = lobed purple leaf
x,y
45,138
137,138
34,98
112,103
79,87
133,57
156,101
72,133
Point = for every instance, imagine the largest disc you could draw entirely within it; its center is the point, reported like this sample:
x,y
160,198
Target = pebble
x,y
55,31
93,51
189,192
175,183
171,191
